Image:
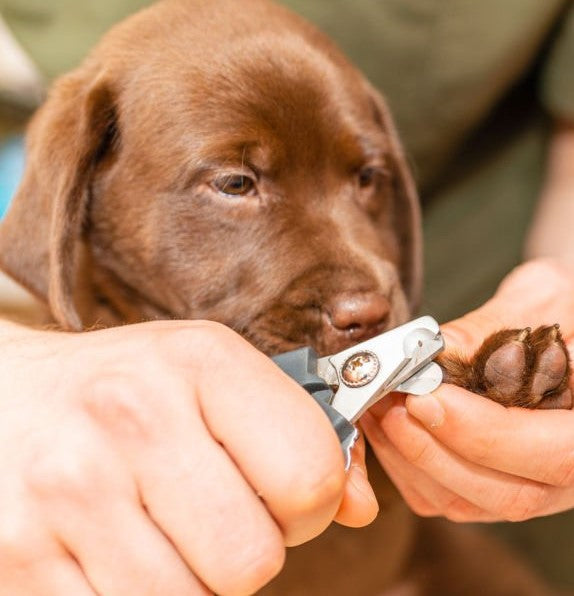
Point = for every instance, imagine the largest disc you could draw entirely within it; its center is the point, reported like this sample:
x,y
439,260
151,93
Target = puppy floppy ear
x,y
407,211
40,237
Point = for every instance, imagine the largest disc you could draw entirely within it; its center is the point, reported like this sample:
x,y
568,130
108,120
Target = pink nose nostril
x,y
358,311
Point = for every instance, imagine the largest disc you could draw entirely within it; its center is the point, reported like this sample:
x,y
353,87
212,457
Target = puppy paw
x,y
516,367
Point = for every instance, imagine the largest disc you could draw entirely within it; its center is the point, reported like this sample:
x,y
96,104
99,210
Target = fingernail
x,y
427,409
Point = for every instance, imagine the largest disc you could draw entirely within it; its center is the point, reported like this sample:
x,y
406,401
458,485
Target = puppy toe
x,y
506,366
499,369
551,370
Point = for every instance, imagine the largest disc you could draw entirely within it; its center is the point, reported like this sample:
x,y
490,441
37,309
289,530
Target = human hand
x,y
464,457
162,458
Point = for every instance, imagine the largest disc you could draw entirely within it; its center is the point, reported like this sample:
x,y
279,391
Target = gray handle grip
x,y
301,365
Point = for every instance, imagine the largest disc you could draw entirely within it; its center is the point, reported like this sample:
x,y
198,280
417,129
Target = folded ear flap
x,y
40,237
407,213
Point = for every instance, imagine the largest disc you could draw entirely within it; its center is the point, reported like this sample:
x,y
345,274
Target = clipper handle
x,y
301,365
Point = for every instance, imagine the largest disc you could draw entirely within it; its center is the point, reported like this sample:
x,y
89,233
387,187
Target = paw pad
x,y
517,367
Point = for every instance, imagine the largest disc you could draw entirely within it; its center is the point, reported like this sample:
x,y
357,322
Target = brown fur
x,y
117,219
121,218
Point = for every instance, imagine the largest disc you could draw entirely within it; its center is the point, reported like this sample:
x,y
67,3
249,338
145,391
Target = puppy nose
x,y
358,312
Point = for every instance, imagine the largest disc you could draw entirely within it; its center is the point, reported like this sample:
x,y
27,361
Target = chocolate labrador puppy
x,y
222,160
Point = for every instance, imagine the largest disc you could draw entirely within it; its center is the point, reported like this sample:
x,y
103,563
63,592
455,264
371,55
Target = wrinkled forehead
x,y
281,96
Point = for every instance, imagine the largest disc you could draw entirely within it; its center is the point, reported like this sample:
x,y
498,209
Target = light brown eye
x,y
234,185
367,177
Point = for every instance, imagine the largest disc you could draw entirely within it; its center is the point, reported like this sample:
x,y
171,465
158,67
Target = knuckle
x,y
68,476
264,561
562,475
524,503
15,544
460,510
201,347
483,448
314,493
421,507
418,453
120,403
186,338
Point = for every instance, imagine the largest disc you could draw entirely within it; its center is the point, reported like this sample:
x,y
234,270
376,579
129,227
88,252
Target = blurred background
x,y
476,89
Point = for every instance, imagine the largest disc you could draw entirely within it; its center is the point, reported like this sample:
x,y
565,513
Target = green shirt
x,y
445,64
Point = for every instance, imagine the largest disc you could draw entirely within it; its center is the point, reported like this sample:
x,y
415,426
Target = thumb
x,y
539,292
359,505
467,333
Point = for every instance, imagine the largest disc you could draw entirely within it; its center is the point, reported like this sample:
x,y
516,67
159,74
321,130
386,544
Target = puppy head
x,y
205,163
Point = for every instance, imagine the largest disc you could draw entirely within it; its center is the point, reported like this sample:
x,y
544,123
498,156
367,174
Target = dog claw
x,y
524,334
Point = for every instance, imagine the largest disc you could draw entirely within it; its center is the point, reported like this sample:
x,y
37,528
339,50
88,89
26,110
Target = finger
x,y
425,496
534,444
95,510
551,302
504,495
516,305
277,435
359,506
126,553
191,489
32,561
44,576
122,551
387,456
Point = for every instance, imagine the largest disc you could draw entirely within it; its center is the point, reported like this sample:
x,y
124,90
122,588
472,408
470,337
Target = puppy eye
x,y
234,185
367,177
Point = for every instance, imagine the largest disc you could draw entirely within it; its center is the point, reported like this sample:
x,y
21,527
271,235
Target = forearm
x,y
551,233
